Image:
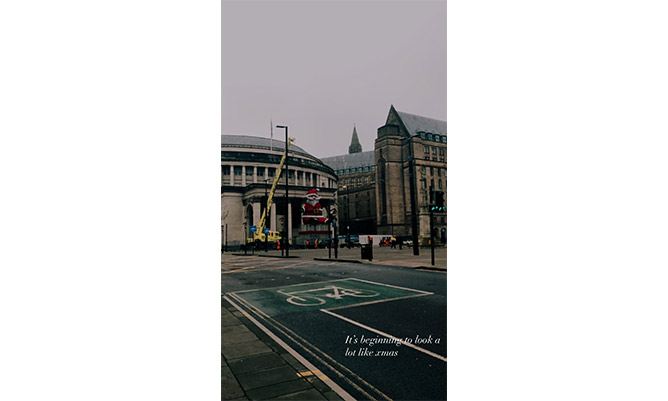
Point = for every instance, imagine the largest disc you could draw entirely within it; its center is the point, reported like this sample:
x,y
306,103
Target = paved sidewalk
x,y
381,256
255,367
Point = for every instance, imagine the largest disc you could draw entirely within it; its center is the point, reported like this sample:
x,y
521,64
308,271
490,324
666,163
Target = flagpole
x,y
271,141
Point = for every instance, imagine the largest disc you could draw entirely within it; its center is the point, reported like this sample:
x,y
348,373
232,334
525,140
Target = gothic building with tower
x,y
355,146
411,158
378,190
356,173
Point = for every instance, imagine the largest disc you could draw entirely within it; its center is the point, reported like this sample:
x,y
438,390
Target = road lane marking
x,y
335,387
256,269
371,329
284,330
377,301
432,271
291,285
330,294
250,269
393,286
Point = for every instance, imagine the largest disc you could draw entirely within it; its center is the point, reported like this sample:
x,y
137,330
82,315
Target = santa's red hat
x,y
312,192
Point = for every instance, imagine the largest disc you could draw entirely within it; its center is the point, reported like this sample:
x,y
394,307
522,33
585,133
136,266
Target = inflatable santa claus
x,y
312,211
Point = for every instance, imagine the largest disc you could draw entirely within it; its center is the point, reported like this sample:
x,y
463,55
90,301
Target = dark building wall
x,y
357,203
391,182
390,192
394,148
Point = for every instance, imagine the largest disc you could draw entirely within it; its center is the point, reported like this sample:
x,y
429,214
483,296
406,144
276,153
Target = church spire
x,y
355,146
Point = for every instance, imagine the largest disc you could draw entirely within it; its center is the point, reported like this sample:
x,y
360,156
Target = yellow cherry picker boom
x,y
274,236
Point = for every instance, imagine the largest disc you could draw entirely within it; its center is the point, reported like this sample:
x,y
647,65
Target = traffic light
x,y
438,204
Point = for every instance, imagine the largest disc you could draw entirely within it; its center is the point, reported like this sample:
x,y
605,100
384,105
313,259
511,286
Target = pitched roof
x,y
352,160
416,124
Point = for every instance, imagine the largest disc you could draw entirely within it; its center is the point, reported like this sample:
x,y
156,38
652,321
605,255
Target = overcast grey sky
x,y
320,67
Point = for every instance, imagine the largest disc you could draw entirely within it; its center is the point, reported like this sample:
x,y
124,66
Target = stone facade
x,y
372,191
411,157
356,191
375,187
248,169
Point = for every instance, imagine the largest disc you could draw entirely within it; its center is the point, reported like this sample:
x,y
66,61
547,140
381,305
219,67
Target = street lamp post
x,y
245,239
345,188
286,241
266,213
414,211
335,221
348,218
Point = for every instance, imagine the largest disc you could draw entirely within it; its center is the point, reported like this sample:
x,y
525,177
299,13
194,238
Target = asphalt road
x,y
361,303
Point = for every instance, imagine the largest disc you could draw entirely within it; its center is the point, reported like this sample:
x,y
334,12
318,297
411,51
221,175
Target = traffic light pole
x,y
431,234
336,239
329,234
